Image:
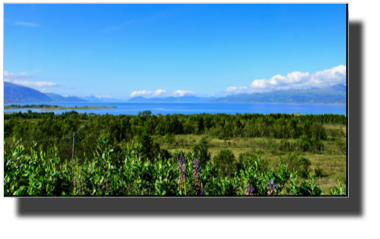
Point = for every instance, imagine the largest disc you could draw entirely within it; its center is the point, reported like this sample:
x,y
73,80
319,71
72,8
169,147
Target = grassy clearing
x,y
332,160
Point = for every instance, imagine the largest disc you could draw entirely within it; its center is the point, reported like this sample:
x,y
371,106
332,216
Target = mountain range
x,y
20,94
335,94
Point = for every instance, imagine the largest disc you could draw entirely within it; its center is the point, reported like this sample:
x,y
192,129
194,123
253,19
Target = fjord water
x,y
197,108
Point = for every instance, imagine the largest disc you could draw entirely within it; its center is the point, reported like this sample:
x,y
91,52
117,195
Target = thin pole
x,y
73,145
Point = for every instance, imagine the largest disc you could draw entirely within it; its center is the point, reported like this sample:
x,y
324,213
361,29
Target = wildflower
x,y
195,176
272,188
182,173
202,193
249,191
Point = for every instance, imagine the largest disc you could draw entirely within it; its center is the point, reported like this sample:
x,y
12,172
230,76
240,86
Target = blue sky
x,y
127,50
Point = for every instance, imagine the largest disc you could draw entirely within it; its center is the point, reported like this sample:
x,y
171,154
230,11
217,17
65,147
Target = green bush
x,y
298,164
319,172
304,168
224,160
303,143
248,159
201,151
286,146
307,188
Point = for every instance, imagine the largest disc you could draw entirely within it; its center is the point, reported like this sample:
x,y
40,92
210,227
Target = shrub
x,y
308,188
201,151
303,143
248,159
297,164
286,146
319,172
304,167
169,138
224,160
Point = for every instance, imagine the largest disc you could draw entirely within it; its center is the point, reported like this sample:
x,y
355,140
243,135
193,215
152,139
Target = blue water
x,y
197,108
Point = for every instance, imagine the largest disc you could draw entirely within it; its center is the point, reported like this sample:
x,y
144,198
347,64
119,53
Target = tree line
x,y
122,129
30,106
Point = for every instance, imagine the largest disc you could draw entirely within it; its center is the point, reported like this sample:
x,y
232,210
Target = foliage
x,y
224,160
307,188
339,190
201,151
298,164
104,175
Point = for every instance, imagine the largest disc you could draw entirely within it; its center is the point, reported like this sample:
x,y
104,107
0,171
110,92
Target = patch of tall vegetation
x,y
107,174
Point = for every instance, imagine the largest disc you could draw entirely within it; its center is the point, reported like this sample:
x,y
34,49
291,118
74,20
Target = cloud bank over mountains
x,y
161,93
294,80
18,79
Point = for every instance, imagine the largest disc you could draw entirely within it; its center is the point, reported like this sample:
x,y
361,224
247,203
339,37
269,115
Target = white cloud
x,y
18,80
8,76
27,24
183,93
140,93
102,96
295,80
236,89
161,93
39,84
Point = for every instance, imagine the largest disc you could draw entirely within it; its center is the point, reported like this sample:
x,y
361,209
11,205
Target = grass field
x,y
332,160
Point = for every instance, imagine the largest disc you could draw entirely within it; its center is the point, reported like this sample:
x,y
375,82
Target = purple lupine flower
x,y
202,193
271,188
182,173
249,191
195,176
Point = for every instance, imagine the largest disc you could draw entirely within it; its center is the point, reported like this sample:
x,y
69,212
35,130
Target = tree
x,y
147,144
147,112
318,131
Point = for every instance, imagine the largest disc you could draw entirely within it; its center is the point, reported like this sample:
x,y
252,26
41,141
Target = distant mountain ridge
x,y
335,94
95,99
20,94
60,98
